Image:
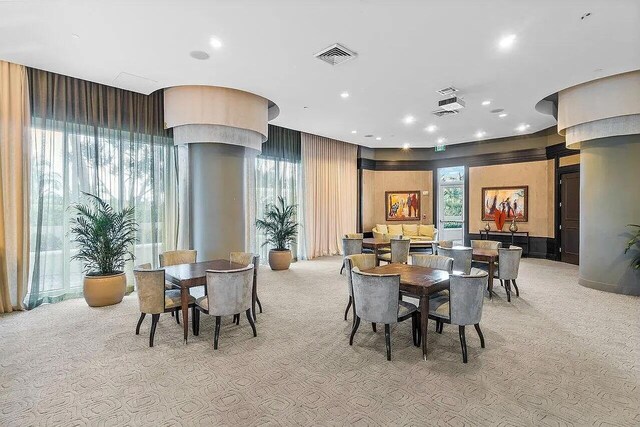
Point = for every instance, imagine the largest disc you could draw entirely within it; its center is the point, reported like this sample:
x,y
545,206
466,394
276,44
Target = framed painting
x,y
513,201
402,205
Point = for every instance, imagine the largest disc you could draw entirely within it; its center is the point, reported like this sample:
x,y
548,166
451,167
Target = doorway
x,y
451,206
570,217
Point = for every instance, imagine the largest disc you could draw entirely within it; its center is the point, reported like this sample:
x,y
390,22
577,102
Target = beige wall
x,y
539,176
374,185
569,160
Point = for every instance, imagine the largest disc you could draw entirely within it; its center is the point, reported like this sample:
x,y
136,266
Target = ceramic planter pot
x,y
279,260
104,290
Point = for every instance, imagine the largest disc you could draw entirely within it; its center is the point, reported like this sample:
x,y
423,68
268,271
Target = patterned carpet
x,y
561,354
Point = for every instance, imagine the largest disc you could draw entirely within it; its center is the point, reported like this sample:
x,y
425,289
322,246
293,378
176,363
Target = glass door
x,y
451,204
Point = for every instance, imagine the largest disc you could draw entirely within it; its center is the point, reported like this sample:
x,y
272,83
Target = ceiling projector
x,y
451,104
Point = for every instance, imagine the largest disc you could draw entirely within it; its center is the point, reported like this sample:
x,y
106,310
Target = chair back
x,y
177,257
389,237
438,262
150,289
486,244
509,262
246,258
229,292
359,261
354,236
461,258
443,243
400,250
376,296
466,296
351,246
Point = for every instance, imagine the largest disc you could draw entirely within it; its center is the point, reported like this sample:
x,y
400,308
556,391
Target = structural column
x,y
602,119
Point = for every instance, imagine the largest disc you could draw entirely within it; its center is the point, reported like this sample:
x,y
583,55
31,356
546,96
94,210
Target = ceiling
x,y
406,51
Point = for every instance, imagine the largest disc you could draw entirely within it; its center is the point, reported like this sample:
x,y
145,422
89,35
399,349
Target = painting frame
x,y
390,196
490,192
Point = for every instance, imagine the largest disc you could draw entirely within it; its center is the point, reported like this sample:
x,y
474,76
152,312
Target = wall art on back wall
x,y
402,205
505,204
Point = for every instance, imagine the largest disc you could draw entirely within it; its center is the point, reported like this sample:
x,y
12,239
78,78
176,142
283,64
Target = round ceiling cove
x,y
199,54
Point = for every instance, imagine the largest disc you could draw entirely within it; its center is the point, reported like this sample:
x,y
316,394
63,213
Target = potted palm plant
x,y
105,238
634,242
281,229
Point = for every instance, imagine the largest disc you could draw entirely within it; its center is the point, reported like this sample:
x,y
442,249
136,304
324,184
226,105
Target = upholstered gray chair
x,y
228,293
154,299
376,300
176,257
461,258
399,252
437,262
354,236
462,307
350,246
508,265
361,262
485,244
443,243
246,258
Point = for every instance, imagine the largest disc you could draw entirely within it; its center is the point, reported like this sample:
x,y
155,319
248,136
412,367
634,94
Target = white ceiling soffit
x,y
406,51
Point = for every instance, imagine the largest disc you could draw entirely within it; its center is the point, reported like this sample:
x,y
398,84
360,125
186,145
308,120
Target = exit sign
x,y
440,147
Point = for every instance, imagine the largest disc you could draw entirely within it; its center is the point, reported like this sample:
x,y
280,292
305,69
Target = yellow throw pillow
x,y
377,235
381,228
395,229
427,231
410,229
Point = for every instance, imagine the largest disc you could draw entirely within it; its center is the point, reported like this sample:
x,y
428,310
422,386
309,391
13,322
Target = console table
x,y
503,236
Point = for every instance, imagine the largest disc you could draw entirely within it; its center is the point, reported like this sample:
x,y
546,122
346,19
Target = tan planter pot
x,y
279,260
104,290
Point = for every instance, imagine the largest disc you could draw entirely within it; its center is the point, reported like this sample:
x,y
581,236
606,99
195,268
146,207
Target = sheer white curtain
x,y
330,193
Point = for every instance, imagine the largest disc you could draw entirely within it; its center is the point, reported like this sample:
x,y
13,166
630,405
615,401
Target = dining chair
x,y
486,244
354,236
154,299
362,262
350,246
376,300
443,243
246,258
462,258
508,266
399,252
228,293
168,258
438,262
463,305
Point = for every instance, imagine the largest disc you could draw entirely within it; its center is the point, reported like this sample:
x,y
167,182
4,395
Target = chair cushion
x,y
405,308
426,230
203,302
172,299
410,229
385,257
395,229
439,294
439,307
382,228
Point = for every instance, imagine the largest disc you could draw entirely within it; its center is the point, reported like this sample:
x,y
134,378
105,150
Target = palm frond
x,y
279,224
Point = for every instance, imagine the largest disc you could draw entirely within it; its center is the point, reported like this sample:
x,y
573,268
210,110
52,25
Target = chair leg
x,y
259,304
194,325
387,339
177,316
463,343
342,268
437,325
236,319
216,333
140,323
172,314
516,286
348,307
253,325
415,324
507,286
154,323
373,326
502,283
477,326
196,316
355,328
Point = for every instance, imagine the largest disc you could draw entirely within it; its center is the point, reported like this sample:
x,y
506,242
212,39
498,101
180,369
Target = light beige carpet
x,y
560,354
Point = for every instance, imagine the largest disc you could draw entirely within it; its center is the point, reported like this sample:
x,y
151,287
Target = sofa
x,y
418,233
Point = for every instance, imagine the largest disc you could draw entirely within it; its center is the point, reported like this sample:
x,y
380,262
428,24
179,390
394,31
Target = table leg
x,y
254,297
424,316
492,264
184,300
375,252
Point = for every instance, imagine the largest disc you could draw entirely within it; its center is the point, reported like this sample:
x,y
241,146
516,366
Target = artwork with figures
x,y
509,202
402,205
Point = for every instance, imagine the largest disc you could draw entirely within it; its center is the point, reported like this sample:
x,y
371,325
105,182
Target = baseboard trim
x,y
607,287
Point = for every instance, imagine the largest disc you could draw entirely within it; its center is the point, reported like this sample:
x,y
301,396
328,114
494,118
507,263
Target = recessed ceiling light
x,y
441,140
378,138
215,42
480,134
502,115
507,41
409,119
354,131
344,95
199,54
406,146
485,103
523,127
431,128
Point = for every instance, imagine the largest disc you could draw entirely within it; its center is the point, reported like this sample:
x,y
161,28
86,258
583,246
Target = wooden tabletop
x,y
371,242
480,252
415,279
195,274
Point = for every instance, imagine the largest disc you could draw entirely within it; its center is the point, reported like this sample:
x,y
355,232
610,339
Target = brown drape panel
x,y
14,189
330,193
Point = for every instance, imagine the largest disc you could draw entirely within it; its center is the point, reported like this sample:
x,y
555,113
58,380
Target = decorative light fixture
x,y
523,127
502,115
354,131
406,146
344,95
215,43
409,119
378,138
431,128
441,140
480,134
485,103
507,41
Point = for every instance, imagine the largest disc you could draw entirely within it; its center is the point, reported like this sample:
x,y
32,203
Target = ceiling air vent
x,y
447,91
442,112
336,54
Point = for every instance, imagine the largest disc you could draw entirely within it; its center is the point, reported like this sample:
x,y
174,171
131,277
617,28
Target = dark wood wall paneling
x,y
541,247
